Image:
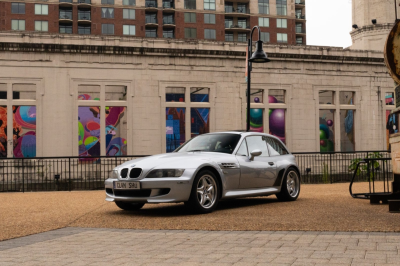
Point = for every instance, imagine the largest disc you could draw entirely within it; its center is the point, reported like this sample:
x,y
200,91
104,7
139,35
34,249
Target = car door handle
x,y
271,163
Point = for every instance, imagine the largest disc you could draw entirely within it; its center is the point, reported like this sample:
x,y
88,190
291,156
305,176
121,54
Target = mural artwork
x,y
276,118
3,131
175,128
89,130
326,131
24,131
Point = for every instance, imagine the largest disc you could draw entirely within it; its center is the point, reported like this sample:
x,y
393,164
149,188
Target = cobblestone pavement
x,y
92,246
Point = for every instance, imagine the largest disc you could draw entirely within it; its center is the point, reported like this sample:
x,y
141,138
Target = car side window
x,y
242,151
257,143
275,147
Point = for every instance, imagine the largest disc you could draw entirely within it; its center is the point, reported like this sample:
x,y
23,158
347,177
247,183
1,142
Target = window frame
x,y
129,29
210,31
129,12
19,8
41,9
209,4
112,15
191,31
209,18
108,25
18,21
190,16
41,25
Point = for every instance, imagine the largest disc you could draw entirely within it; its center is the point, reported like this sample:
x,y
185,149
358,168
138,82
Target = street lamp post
x,y
259,56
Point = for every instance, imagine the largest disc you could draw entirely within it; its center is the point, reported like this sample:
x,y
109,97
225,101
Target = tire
x,y
129,206
205,193
290,189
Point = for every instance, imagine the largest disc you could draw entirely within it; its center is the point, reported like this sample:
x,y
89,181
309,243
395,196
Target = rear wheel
x,y
290,186
205,191
129,206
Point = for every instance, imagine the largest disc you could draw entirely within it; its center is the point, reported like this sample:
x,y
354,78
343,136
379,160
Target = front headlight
x,y
114,174
165,173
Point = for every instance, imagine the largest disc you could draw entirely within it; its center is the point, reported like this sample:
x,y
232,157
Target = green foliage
x,y
325,173
363,168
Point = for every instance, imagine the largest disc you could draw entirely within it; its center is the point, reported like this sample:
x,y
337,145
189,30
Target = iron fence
x,y
334,167
89,173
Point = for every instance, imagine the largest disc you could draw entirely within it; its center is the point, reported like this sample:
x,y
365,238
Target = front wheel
x,y
204,194
129,206
290,186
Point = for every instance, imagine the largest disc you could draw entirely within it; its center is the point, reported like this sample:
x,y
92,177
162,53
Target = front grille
x,y
109,191
135,172
132,193
124,173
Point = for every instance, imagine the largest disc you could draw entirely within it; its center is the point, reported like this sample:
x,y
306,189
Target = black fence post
x,y
69,175
330,167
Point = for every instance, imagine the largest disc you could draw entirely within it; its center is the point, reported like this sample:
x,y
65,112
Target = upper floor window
x,y
242,37
83,29
65,28
129,2
281,7
282,37
107,29
209,18
209,34
41,26
129,30
17,8
41,9
190,33
264,36
107,2
209,4
190,17
229,36
281,23
168,33
107,12
128,13
152,33
263,22
263,6
17,24
190,4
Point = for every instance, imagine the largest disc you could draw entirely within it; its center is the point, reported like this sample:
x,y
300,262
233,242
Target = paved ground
x,y
88,246
319,208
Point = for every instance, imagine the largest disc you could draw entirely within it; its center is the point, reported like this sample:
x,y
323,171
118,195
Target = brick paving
x,y
92,246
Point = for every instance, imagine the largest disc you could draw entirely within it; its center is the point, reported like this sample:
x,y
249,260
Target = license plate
x,y
126,185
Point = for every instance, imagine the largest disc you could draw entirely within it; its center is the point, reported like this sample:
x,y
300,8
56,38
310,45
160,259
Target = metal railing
x,y
168,21
65,15
300,30
89,2
299,2
151,4
83,15
60,173
299,16
168,5
87,173
65,1
151,20
335,167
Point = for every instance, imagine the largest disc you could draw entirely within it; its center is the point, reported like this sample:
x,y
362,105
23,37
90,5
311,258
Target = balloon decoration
x,y
326,135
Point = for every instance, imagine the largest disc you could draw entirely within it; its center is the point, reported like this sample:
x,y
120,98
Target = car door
x,y
279,155
259,172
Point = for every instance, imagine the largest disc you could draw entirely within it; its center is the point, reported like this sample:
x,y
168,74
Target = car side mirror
x,y
254,154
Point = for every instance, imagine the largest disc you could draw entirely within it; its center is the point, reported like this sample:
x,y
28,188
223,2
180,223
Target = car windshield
x,y
224,143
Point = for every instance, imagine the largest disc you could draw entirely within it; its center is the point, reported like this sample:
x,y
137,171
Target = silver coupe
x,y
206,169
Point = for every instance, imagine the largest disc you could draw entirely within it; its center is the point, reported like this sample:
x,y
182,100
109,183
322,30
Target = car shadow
x,y
179,209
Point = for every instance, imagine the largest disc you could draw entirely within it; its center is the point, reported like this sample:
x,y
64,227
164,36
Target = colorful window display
x,y
326,97
175,128
347,138
256,96
256,120
346,97
3,131
389,98
326,130
277,123
199,119
276,96
391,126
175,95
199,94
89,131
116,144
88,92
24,131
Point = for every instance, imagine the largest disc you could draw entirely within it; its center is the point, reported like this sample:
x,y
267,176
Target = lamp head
x,y
259,56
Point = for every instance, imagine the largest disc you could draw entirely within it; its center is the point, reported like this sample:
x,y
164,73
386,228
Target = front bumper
x,y
153,190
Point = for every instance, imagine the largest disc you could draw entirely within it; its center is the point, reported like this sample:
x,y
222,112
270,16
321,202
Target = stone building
x,y
372,22
65,94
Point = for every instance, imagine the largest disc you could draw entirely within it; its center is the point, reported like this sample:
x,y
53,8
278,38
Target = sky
x,y
328,22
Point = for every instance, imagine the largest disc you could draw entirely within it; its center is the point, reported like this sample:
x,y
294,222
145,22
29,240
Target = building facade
x,y
281,21
65,95
372,22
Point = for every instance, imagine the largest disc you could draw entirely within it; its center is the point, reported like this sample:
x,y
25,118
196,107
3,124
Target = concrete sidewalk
x,y
91,246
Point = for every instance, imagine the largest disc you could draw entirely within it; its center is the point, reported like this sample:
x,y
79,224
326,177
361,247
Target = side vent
x,y
229,165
